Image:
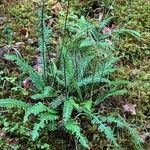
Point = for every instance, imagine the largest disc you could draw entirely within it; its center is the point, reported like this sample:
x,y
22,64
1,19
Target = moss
x,y
134,15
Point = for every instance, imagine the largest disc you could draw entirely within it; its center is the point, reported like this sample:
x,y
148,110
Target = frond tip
x,y
74,128
43,121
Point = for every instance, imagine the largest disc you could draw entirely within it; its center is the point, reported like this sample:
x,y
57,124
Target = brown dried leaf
x,y
24,32
57,7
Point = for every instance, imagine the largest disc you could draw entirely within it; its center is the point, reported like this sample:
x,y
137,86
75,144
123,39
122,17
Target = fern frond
x,y
8,102
121,123
104,23
107,67
74,128
57,102
43,121
111,119
136,139
112,92
87,105
68,66
37,109
47,93
90,80
119,82
52,126
128,32
87,42
105,129
45,33
34,75
83,65
67,109
82,28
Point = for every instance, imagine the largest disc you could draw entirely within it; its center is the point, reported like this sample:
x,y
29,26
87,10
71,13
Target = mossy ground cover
x,y
134,67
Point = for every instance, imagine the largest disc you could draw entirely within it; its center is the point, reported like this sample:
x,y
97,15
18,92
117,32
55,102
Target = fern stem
x,y
65,76
63,44
65,25
43,51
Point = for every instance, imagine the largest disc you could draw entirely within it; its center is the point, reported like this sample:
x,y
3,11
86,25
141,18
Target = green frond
x,y
104,23
87,42
135,137
91,80
83,65
67,109
67,66
47,93
105,129
43,121
52,126
74,128
57,102
119,82
133,33
34,75
107,67
112,92
43,41
82,28
8,102
87,105
111,119
121,123
37,109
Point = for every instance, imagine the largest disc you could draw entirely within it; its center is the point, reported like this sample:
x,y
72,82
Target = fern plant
x,y
85,64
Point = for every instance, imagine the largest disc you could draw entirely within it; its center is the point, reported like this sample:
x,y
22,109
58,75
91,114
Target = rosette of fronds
x,y
75,84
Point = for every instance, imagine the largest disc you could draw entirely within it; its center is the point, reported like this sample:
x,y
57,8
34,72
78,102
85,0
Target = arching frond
x,y
34,75
74,128
105,129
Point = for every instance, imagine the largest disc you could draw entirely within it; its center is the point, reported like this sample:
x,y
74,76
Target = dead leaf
x,y
24,32
129,109
57,7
